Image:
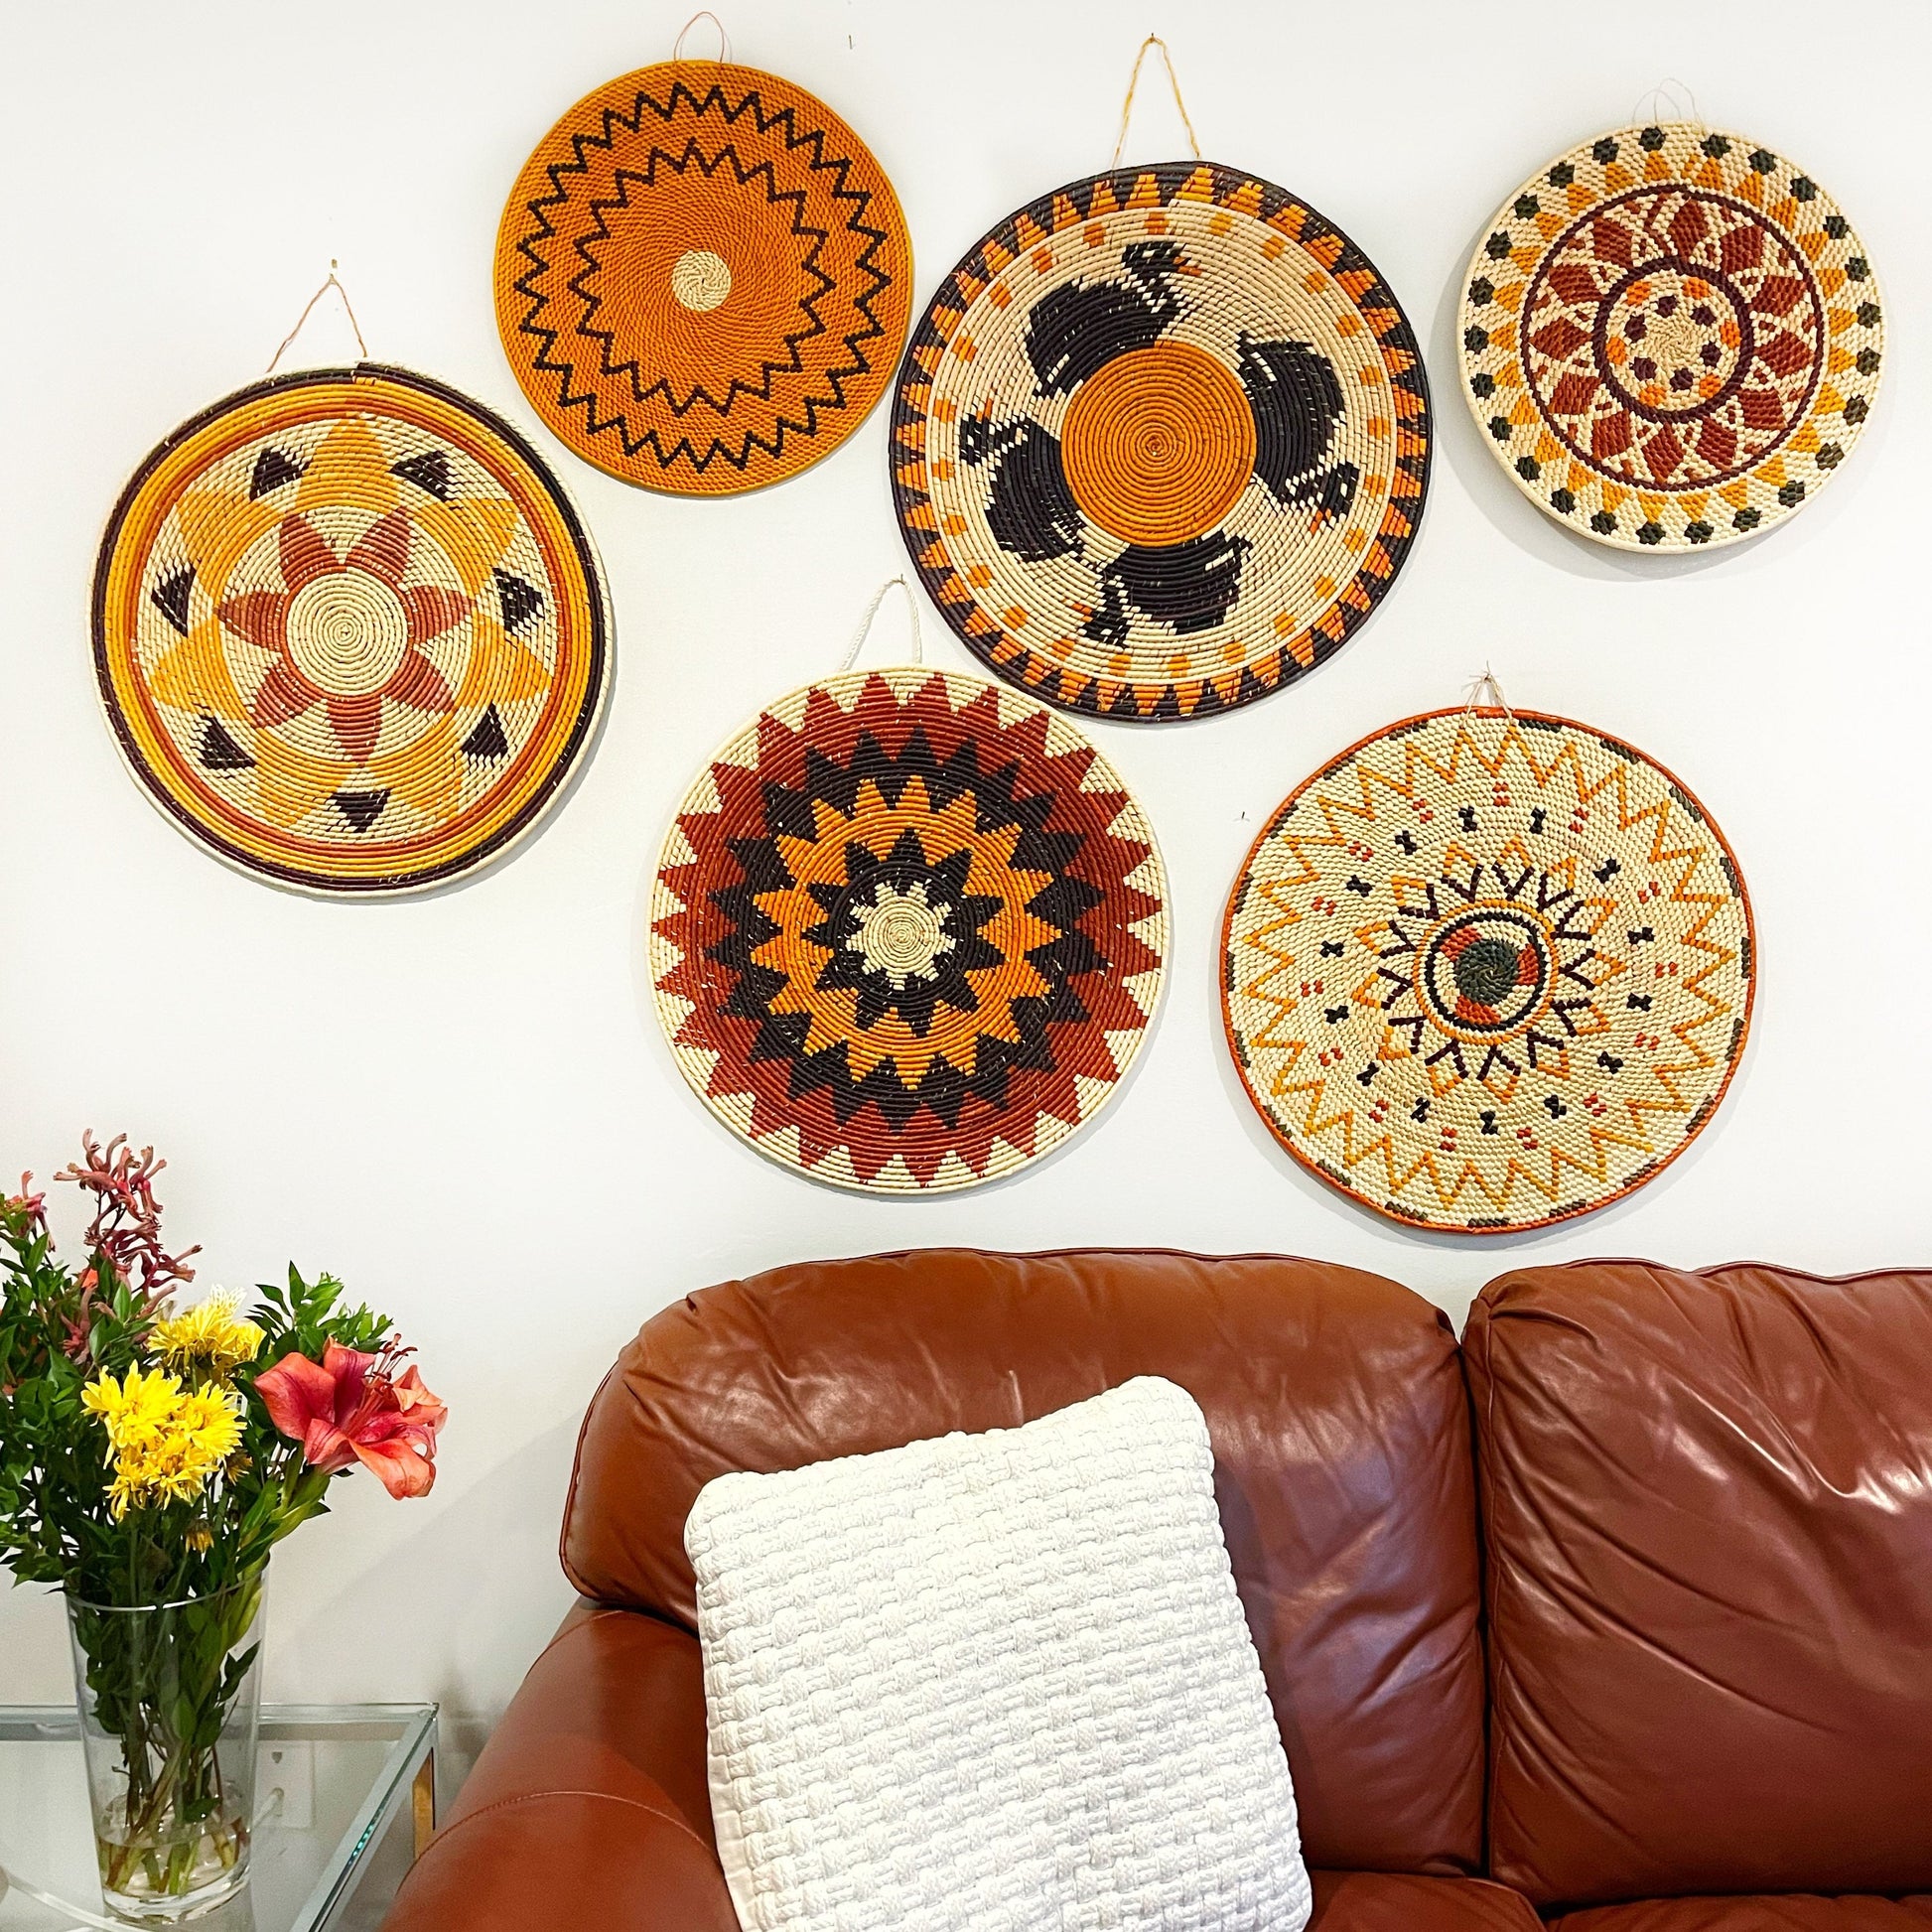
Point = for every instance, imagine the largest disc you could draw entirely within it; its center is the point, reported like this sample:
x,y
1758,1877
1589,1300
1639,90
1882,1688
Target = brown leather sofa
x,y
1621,1613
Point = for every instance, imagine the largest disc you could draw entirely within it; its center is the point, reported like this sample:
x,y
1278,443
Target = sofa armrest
x,y
589,1805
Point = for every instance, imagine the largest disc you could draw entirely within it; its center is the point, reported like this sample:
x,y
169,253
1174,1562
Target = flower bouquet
x,y
153,1451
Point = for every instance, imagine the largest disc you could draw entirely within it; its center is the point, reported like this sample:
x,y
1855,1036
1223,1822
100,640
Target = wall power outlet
x,y
287,1780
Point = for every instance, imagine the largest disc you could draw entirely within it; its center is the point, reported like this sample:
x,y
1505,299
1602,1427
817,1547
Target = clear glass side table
x,y
348,1801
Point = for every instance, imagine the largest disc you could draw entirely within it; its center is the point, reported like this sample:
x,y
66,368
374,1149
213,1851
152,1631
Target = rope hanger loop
x,y
724,40
361,348
1486,694
1133,84
859,635
1671,93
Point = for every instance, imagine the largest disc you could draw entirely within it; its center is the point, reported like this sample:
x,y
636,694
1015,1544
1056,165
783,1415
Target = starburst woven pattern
x,y
349,632
909,931
1488,971
1160,441
703,278
1671,338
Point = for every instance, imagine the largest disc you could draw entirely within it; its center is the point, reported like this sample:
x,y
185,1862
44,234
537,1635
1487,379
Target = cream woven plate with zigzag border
x,y
1486,971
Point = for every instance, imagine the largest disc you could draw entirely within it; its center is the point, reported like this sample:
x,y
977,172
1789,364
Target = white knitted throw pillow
x,y
995,1683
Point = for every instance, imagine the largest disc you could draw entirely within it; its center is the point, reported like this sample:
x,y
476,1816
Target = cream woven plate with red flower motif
x,y
1671,338
349,632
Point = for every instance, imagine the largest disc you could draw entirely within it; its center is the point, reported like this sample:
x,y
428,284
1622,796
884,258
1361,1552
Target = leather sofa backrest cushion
x,y
1339,1421
1708,1516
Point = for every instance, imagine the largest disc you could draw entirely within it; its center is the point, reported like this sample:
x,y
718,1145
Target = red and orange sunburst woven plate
x,y
703,278
909,931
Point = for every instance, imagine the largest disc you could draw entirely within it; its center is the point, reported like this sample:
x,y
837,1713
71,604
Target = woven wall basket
x,y
909,931
1671,338
703,278
1160,441
1487,972
349,632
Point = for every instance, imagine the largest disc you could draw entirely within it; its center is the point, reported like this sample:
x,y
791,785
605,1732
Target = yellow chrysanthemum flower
x,y
210,1335
164,1443
136,1410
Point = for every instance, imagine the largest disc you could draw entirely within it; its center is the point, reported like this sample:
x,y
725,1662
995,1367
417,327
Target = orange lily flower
x,y
354,1407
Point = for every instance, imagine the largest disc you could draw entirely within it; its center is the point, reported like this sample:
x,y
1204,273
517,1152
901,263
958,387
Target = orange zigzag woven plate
x,y
909,931
703,279
1485,972
1161,443
349,632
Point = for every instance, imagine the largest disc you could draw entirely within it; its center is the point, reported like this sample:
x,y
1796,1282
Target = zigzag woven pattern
x,y
907,933
1162,442
703,278
1671,337
1488,970
992,1683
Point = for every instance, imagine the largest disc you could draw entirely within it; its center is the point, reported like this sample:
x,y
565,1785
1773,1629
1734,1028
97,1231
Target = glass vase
x,y
170,1698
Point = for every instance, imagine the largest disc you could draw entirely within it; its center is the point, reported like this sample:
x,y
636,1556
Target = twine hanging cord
x,y
1672,94
723,39
1132,83
1487,687
872,610
362,348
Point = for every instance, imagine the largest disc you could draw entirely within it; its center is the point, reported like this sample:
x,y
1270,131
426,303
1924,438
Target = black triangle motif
x,y
170,596
430,471
521,602
273,468
219,752
488,739
360,808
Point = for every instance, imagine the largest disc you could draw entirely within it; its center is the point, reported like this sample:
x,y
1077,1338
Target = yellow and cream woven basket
x,y
349,632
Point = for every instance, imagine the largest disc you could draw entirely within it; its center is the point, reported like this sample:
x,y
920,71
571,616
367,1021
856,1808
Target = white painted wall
x,y
463,1103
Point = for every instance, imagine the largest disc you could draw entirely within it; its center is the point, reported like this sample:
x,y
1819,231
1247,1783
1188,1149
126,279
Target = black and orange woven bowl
x,y
1161,443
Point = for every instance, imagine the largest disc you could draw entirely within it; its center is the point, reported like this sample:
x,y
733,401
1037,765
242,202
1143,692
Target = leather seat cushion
x,y
1792,1913
1382,1901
